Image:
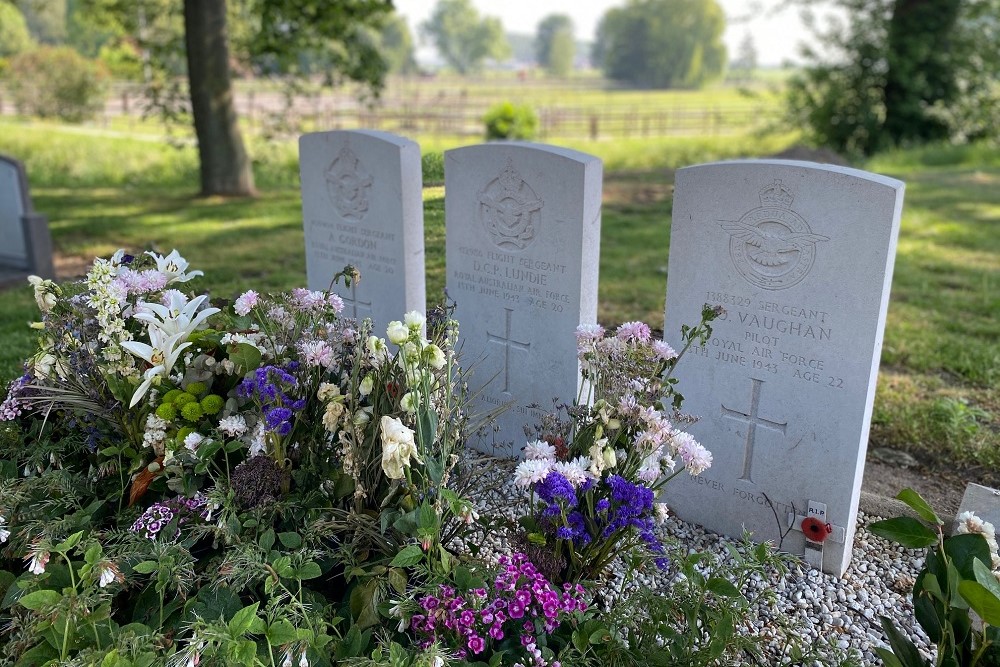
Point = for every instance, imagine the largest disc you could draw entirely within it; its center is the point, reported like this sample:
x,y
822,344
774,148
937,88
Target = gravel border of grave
x,y
844,612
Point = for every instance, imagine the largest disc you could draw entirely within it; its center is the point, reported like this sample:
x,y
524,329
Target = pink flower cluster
x,y
522,602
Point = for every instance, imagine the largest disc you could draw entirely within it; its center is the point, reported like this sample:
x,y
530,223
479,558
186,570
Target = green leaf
x,y
146,567
982,600
408,556
308,570
722,587
904,649
905,531
290,540
69,542
243,620
427,518
281,632
267,540
964,550
398,580
39,599
245,356
919,505
427,427
986,578
580,641
888,658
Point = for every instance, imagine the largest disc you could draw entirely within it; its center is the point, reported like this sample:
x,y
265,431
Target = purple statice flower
x,y
556,488
271,387
12,408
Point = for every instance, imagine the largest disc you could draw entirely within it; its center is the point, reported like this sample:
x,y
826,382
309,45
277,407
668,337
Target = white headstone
x,y
13,244
800,256
362,204
523,226
982,501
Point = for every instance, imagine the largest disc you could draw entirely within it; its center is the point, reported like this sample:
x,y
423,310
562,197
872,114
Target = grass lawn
x,y
939,391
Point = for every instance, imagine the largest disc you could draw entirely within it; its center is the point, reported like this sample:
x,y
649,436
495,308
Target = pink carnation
x,y
246,302
634,331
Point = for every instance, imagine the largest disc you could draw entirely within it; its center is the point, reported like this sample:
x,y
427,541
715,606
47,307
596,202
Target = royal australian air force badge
x,y
349,185
510,210
772,246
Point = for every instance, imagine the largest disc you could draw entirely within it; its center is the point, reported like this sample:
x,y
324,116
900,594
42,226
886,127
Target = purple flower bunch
x,y
521,602
162,513
631,506
11,408
271,386
618,507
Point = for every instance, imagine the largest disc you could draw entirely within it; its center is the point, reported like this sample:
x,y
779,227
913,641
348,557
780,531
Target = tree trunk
x,y
225,166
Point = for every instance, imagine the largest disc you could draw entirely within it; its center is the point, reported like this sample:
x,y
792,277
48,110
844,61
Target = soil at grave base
x,y
942,489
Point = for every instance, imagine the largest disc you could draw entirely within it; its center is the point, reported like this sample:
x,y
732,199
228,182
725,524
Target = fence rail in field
x,y
457,114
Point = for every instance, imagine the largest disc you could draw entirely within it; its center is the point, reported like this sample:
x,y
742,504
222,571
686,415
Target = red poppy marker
x,y
815,530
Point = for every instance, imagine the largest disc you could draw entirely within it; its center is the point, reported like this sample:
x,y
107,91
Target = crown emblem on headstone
x,y
776,194
509,209
348,184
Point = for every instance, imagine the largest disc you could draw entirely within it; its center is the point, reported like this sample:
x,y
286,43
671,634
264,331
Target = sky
x,y
776,36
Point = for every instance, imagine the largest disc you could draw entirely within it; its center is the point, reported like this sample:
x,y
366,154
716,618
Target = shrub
x,y
57,82
511,121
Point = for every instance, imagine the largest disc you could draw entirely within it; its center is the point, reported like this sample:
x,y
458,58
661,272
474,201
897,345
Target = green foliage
x,y
57,82
46,19
900,72
462,37
14,35
511,121
122,60
396,44
956,579
555,46
662,43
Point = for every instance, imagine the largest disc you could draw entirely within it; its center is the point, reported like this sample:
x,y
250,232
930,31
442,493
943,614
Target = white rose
x,y
397,332
410,402
414,320
434,356
398,447
331,417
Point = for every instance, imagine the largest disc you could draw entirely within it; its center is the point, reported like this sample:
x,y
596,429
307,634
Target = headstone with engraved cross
x,y
362,205
800,257
523,243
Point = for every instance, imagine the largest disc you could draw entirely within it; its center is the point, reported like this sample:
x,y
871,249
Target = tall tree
x,y
464,38
396,42
225,165
901,72
555,46
14,35
663,43
46,19
272,34
919,72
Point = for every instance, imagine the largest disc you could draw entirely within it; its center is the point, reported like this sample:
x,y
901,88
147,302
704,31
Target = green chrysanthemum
x,y
192,411
167,412
212,404
183,399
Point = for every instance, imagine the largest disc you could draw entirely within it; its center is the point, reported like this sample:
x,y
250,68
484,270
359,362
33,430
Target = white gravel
x,y
843,613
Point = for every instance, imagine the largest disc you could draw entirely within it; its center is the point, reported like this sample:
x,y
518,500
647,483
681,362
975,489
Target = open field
x,y
446,106
939,392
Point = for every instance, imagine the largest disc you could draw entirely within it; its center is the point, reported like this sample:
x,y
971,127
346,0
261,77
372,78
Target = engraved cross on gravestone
x,y
507,342
752,419
355,302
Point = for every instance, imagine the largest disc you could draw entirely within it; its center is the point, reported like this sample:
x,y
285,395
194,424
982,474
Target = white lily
x,y
161,355
178,316
174,267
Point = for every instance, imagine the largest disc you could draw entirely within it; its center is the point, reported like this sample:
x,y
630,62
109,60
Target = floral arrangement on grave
x,y
593,479
234,479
